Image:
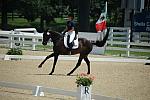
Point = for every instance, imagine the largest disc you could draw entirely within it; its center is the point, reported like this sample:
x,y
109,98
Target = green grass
x,y
45,48
124,53
115,52
141,54
18,22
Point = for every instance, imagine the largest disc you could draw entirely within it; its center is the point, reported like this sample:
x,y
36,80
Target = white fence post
x,y
18,38
35,32
22,39
128,40
11,39
111,36
33,45
34,40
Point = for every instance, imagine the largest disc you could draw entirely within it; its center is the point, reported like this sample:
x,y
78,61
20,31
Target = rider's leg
x,y
70,40
68,43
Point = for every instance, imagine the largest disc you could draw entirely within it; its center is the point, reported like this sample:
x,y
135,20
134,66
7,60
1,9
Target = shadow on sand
x,y
51,75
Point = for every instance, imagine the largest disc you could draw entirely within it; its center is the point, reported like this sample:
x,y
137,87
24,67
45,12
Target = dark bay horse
x,y
85,47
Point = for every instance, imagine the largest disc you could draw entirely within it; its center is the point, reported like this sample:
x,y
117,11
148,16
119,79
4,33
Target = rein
x,y
55,36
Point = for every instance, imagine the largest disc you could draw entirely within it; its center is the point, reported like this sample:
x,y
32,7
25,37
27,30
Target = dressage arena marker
x,y
72,58
39,91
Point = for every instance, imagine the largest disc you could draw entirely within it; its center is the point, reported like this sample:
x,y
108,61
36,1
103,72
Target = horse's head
x,y
50,34
46,37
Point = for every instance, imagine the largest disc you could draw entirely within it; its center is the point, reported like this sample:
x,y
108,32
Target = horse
x,y
85,47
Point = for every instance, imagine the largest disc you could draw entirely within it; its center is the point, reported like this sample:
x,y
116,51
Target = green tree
x,y
47,12
115,15
84,11
32,9
4,11
7,6
29,9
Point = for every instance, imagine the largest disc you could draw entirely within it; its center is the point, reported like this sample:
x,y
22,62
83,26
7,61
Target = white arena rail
x,y
120,36
26,30
39,91
31,35
19,36
75,58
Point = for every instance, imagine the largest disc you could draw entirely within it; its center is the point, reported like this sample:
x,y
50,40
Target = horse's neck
x,y
56,38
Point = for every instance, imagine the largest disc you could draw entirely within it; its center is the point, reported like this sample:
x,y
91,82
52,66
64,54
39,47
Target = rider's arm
x,y
64,31
72,27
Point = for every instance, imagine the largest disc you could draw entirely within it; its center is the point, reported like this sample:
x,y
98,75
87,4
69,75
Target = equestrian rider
x,y
70,32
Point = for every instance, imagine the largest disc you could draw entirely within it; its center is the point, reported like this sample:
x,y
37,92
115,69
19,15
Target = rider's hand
x,y
63,33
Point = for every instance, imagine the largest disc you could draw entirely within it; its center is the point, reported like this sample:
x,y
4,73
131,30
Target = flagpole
x,y
105,9
105,12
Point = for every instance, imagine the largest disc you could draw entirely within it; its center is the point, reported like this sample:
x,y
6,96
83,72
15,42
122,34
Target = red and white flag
x,y
100,25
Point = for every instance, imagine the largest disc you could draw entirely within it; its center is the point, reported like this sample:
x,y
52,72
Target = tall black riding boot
x,y
68,44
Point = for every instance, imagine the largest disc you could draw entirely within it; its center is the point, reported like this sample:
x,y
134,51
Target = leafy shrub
x,y
84,79
14,51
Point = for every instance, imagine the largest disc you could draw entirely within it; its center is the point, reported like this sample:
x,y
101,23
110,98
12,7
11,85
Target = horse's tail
x,y
102,43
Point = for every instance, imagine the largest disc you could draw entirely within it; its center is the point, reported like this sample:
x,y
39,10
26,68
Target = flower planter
x,y
84,92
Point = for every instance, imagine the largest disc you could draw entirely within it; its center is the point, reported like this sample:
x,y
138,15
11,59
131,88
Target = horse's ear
x,y
46,30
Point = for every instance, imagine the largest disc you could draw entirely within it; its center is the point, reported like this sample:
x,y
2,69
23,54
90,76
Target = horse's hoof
x,y
68,74
88,73
50,73
147,63
40,66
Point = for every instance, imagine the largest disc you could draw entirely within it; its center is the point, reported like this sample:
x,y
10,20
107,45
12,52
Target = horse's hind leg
x,y
55,61
88,64
49,56
77,65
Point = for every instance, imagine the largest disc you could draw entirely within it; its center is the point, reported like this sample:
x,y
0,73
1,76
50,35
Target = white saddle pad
x,y
72,35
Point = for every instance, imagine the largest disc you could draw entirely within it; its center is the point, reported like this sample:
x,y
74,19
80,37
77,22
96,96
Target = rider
x,y
70,31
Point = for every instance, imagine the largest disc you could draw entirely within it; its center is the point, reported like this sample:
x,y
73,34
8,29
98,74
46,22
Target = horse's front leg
x,y
55,61
49,56
77,65
88,64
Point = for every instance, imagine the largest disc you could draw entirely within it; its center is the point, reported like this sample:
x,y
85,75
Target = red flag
x,y
100,25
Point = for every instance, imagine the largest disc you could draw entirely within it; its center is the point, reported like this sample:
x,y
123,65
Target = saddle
x,y
72,41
